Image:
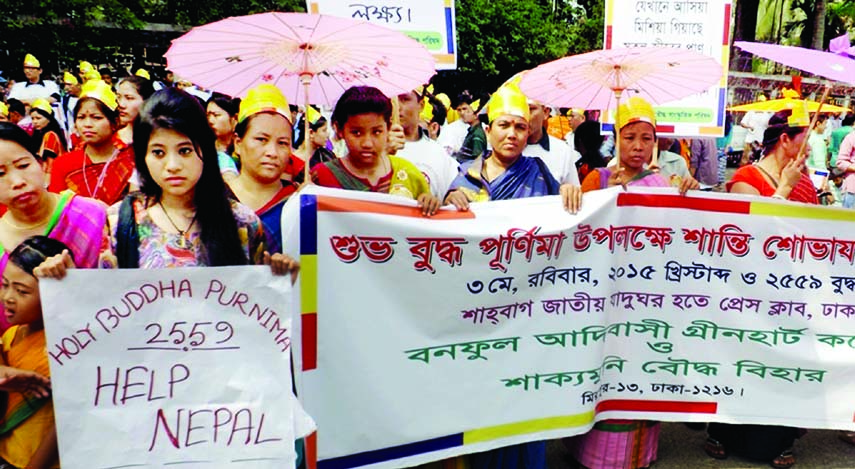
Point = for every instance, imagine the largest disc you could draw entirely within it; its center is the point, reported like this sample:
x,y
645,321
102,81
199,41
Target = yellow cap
x,y
450,112
4,109
100,90
789,94
426,114
143,73
311,113
85,67
88,72
508,100
636,110
43,105
444,99
762,98
31,61
800,116
69,78
264,98
575,110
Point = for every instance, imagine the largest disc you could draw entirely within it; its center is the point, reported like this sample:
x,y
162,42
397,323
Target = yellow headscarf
x,y
100,90
508,100
636,109
43,105
32,61
264,98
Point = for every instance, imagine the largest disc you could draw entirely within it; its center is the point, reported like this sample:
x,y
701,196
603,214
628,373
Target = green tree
x,y
498,38
819,21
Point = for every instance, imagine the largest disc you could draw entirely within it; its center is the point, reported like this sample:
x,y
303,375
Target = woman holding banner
x,y
77,221
780,174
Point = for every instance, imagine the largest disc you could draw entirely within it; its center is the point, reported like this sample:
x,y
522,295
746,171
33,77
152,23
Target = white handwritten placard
x,y
431,22
699,25
172,367
519,322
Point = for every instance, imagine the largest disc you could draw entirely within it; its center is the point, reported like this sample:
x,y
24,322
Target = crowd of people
x,y
145,174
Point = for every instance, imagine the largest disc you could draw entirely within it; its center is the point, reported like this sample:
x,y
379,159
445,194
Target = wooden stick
x,y
813,119
306,82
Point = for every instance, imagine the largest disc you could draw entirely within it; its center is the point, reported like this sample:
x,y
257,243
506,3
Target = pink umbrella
x,y
596,80
825,64
290,50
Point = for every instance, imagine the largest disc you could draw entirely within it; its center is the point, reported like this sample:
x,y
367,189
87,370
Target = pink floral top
x,y
160,248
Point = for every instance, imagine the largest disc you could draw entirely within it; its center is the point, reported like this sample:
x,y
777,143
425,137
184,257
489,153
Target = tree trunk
x,y
818,38
745,29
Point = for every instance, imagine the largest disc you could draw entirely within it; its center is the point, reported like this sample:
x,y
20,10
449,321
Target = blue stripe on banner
x,y
395,452
308,224
721,109
448,30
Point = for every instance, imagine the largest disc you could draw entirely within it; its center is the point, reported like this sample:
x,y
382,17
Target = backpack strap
x,y
127,236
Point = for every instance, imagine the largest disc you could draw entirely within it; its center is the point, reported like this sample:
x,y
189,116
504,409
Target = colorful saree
x,y
78,222
527,177
107,181
404,179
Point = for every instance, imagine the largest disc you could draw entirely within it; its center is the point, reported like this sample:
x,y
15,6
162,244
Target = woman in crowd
x,y
314,149
779,174
362,118
222,114
77,221
103,166
625,444
263,143
131,92
587,141
47,132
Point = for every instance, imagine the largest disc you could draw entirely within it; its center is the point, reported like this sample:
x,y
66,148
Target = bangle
x,y
778,196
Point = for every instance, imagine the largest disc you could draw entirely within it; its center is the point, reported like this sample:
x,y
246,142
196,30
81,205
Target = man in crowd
x,y
559,158
476,140
34,87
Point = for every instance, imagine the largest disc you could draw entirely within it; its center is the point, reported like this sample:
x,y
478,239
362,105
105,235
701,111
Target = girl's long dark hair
x,y
173,109
34,250
13,133
53,126
587,140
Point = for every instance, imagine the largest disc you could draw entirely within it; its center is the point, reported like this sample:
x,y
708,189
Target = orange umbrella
x,y
790,100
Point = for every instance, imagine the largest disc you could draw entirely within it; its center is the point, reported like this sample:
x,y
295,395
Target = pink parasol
x,y
596,80
837,67
311,58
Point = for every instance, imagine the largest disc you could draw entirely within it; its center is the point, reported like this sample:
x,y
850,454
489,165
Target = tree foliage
x,y
498,38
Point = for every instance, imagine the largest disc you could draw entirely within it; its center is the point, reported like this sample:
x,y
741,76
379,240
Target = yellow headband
x,y
800,116
31,61
101,91
143,73
43,105
4,109
508,100
69,78
636,110
311,113
264,98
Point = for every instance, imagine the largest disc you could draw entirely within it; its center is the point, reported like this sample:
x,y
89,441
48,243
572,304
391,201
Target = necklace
x,y
101,175
183,235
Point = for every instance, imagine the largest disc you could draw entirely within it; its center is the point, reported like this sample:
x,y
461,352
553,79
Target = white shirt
x,y
756,123
29,92
560,159
452,135
438,168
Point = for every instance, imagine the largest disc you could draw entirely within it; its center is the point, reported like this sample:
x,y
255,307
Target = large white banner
x,y
183,367
427,338
431,22
698,25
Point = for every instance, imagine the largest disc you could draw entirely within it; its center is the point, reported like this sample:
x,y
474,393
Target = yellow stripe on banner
x,y
444,58
791,211
309,283
313,8
529,426
725,59
449,3
710,130
610,9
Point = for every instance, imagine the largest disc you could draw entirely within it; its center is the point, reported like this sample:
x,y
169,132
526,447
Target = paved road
x,y
682,448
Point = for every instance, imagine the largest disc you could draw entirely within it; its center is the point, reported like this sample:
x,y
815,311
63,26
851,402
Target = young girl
x,y
222,112
362,117
29,437
314,149
47,131
102,168
130,94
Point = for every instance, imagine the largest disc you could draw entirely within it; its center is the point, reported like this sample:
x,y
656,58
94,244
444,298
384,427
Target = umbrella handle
x,y
813,120
308,144
617,139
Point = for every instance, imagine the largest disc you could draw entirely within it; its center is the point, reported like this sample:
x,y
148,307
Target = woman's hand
x,y
571,197
282,264
55,266
458,199
616,178
428,203
24,381
792,172
687,184
397,140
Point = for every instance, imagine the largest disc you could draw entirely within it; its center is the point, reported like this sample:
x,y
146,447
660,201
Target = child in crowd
x,y
28,437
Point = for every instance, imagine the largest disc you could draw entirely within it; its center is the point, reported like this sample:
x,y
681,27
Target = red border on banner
x,y
336,204
680,201
309,333
658,406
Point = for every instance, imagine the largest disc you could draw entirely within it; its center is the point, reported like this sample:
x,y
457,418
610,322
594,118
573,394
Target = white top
x,y
758,121
452,135
560,159
438,168
29,92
